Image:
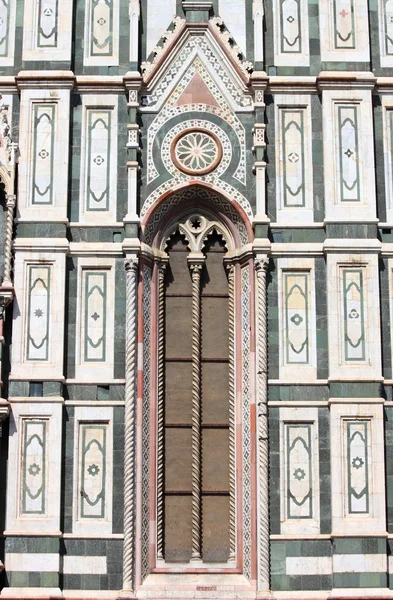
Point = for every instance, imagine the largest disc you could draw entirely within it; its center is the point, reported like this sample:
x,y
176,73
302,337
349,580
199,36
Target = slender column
x,y
231,383
10,203
160,411
261,265
196,261
131,266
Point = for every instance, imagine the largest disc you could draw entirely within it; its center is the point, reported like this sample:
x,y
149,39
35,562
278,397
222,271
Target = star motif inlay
x,y
34,469
93,470
297,319
95,316
357,462
299,474
293,157
38,313
348,153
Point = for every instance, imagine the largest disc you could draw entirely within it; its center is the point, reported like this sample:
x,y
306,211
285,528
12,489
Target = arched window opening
x,y
195,450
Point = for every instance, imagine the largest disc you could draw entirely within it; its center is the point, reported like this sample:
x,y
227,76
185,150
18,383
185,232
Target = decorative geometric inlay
x,y
34,469
101,21
358,462
293,157
38,313
196,152
297,319
93,470
99,160
43,154
95,316
290,19
299,474
48,12
348,153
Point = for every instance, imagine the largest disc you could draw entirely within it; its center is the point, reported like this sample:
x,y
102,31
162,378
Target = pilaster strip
x,y
196,269
131,266
261,265
231,383
160,411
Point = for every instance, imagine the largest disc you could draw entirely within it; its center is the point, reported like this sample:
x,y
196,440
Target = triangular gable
x,y
197,92
215,51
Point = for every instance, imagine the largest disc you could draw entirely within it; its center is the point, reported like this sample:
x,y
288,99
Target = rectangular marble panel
x,y
357,467
95,312
102,32
348,149
38,315
354,334
33,467
296,303
298,475
291,32
43,153
92,460
98,159
47,25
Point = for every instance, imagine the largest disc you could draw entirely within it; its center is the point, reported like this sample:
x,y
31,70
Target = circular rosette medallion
x,y
196,152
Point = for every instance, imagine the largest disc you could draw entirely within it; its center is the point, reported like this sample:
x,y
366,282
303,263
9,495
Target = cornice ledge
x,y
288,84
8,85
297,249
384,85
100,83
387,249
346,80
42,244
350,246
259,80
6,295
131,246
45,79
4,409
95,249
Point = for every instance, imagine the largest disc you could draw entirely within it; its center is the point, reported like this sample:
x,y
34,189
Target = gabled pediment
x,y
208,44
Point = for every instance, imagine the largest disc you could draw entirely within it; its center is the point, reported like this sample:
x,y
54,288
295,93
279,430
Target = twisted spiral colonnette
x,y
264,559
231,382
131,266
160,414
196,411
8,238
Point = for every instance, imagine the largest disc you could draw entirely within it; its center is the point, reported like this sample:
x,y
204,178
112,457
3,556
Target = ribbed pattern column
x,y
261,264
160,412
196,268
131,266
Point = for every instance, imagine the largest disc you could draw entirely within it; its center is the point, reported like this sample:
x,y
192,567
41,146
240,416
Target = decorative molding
x,y
245,66
167,38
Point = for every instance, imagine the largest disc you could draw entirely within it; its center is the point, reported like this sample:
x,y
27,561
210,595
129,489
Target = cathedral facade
x,y
196,283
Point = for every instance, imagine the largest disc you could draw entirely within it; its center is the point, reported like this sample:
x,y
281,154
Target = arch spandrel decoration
x,y
206,222
191,197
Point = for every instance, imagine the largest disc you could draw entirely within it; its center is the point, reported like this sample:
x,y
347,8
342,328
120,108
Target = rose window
x,y
196,152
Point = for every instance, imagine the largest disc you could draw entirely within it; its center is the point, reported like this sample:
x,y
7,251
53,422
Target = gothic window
x,y
195,478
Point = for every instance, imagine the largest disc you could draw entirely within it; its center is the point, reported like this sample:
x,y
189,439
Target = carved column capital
x,y
131,264
261,263
10,201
